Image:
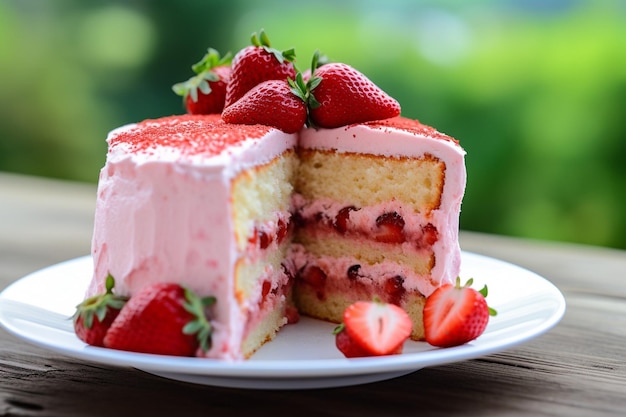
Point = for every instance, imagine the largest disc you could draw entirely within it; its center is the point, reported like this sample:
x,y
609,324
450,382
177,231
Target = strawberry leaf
x,y
303,90
109,283
263,41
192,327
340,328
208,301
204,74
98,305
316,62
211,60
314,82
210,76
260,39
204,87
200,325
484,291
100,312
298,87
288,55
180,88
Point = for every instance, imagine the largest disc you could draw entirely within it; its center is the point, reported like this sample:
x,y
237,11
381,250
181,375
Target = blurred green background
x,y
534,90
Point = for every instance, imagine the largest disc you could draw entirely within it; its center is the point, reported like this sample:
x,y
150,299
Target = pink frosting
x,y
157,221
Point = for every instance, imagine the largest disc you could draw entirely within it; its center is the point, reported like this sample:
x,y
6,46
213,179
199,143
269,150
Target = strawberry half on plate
x,y
455,314
372,328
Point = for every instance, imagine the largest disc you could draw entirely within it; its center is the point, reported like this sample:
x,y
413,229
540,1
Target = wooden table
x,y
576,369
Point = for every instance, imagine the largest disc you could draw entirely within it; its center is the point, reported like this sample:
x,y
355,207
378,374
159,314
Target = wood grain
x,y
576,369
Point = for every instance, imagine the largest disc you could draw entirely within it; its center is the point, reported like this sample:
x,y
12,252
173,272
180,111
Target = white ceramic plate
x,y
37,308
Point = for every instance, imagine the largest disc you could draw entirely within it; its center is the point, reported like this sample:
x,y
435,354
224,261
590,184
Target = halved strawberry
x,y
341,219
430,235
205,92
94,316
343,96
257,63
272,103
314,276
389,228
162,318
455,314
373,328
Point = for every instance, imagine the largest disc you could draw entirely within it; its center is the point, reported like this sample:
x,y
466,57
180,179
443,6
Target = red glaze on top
x,y
190,134
412,126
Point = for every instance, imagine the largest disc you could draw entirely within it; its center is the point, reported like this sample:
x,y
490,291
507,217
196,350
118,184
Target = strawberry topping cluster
x,y
262,85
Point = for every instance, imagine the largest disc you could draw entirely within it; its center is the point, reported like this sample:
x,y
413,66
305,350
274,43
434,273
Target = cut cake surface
x,y
378,207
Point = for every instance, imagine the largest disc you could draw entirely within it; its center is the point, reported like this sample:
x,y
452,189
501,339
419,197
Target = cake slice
x,y
193,200
377,208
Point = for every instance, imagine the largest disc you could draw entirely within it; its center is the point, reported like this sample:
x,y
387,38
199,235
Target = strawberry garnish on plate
x,y
455,314
273,103
257,63
162,318
345,96
205,92
372,328
94,315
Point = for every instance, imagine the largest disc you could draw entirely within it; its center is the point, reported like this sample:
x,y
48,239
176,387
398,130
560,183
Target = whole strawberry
x,y
94,316
162,318
344,96
205,92
257,63
272,103
455,314
372,328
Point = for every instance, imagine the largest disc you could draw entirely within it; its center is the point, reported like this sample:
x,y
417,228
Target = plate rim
x,y
290,368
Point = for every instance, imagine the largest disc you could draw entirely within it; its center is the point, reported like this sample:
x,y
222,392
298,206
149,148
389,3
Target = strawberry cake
x,y
301,195
377,207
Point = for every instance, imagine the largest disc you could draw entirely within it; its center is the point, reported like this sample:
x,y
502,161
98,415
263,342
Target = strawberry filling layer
x,y
390,222
348,275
